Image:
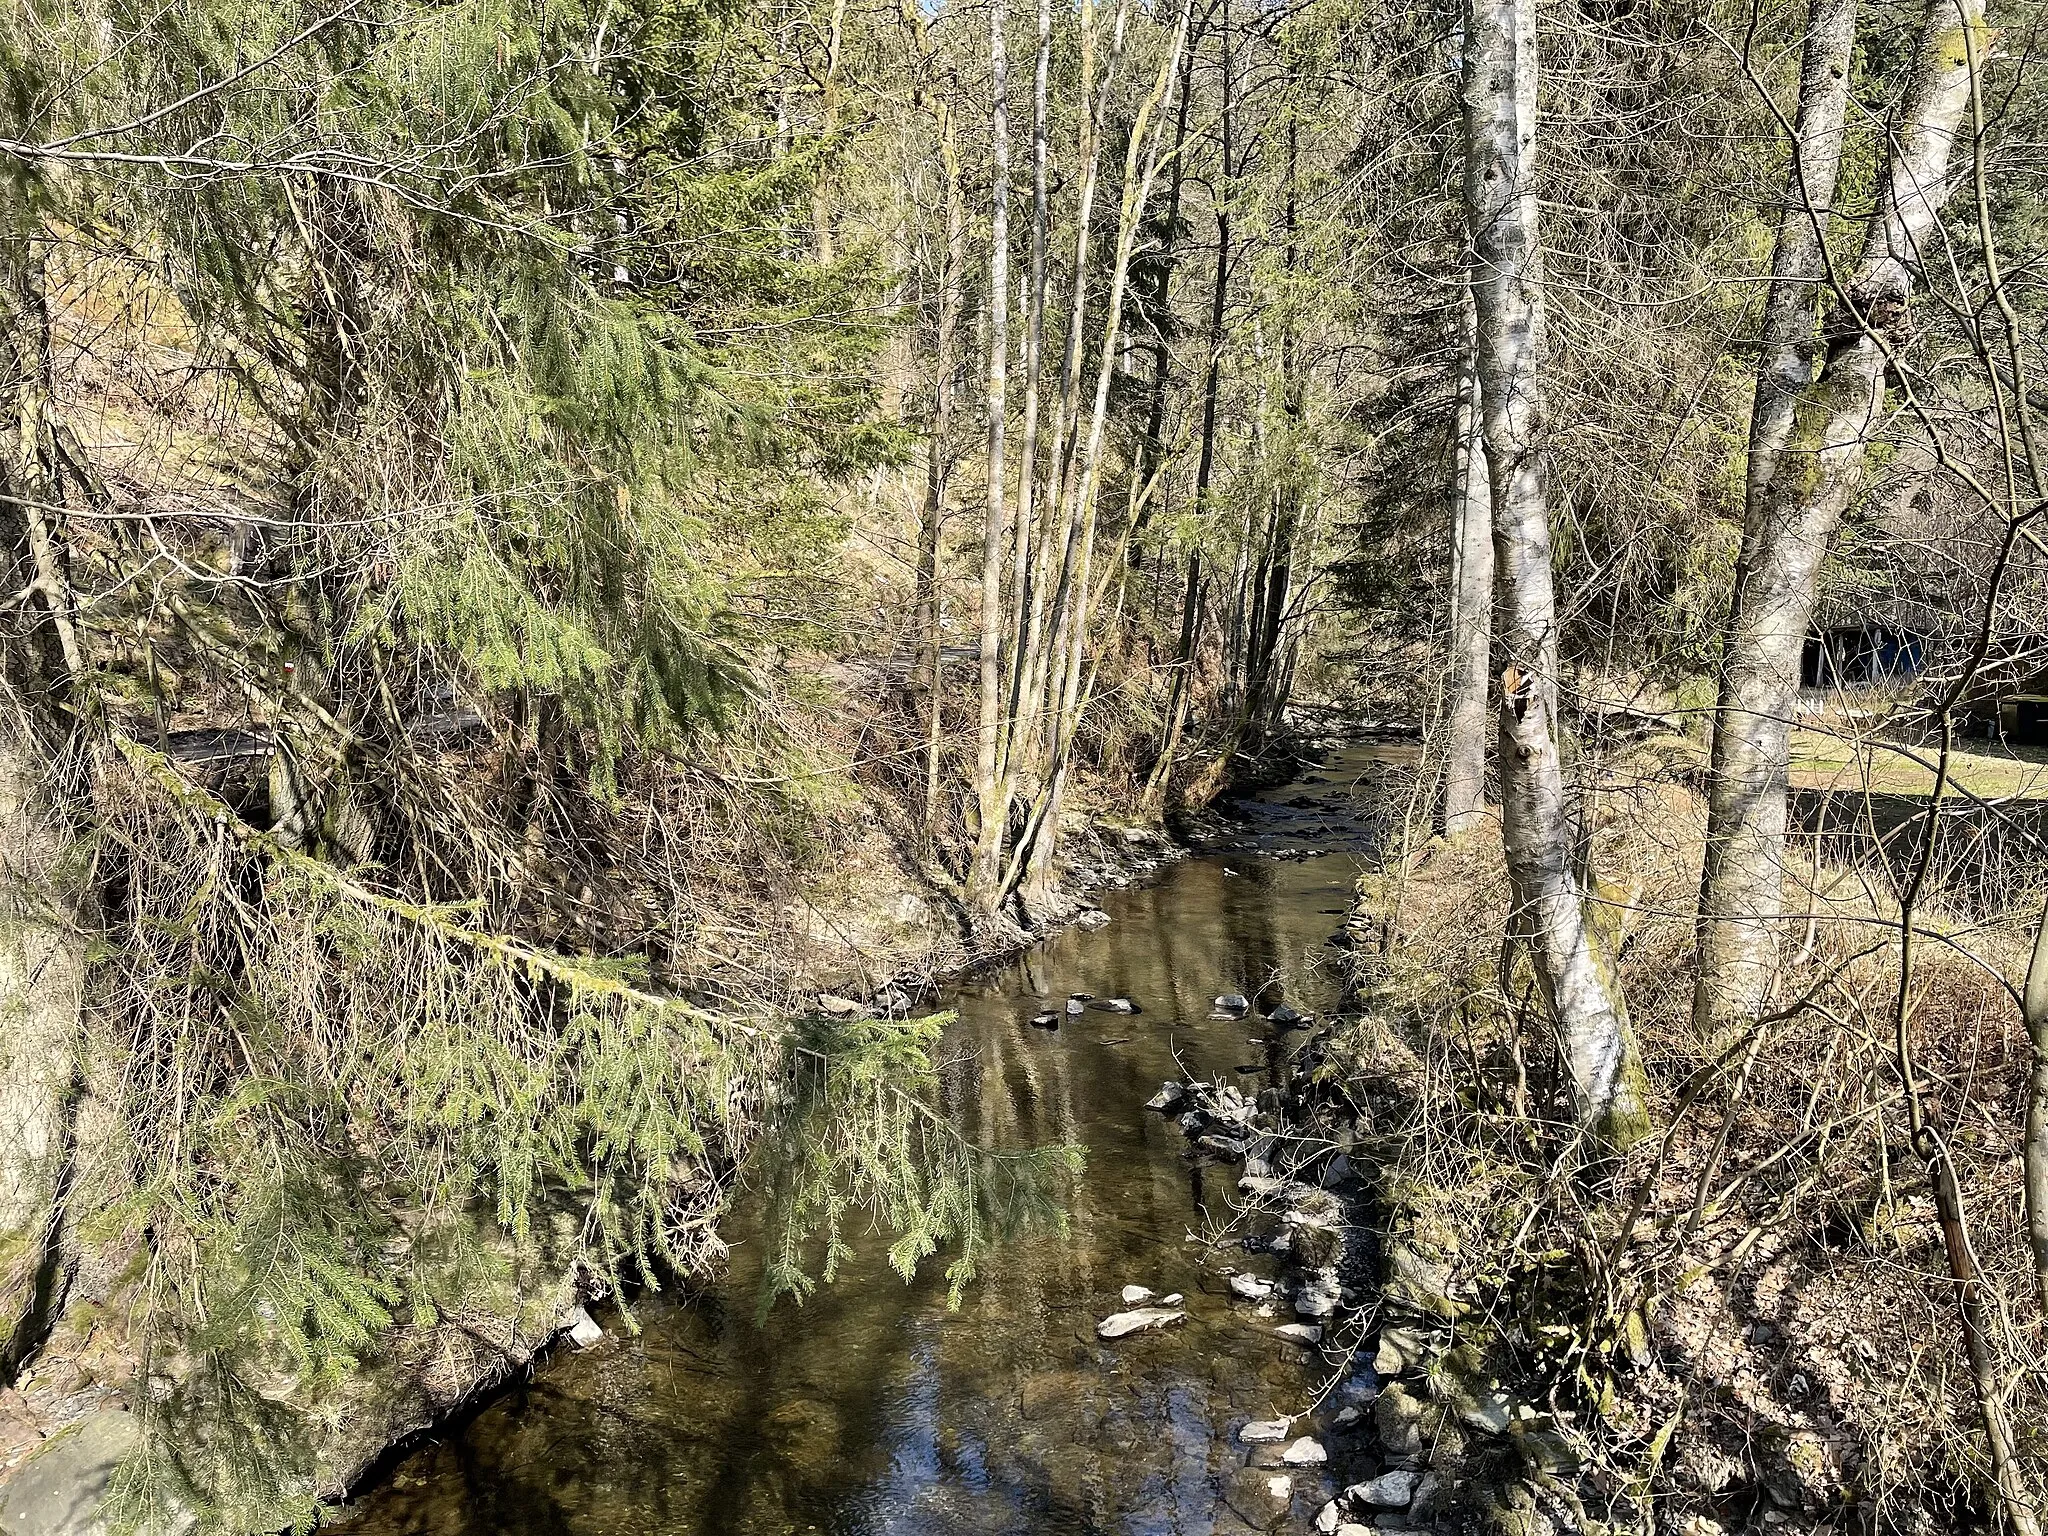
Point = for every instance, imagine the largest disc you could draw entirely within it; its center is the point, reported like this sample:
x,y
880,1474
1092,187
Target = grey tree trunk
x,y
990,794
42,982
1550,910
1471,621
1740,892
1812,471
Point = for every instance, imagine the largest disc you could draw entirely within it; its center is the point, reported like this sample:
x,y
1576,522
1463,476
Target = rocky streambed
x,y
1208,1347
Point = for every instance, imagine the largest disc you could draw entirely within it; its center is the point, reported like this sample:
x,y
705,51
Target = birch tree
x,y
1551,913
1471,617
1820,402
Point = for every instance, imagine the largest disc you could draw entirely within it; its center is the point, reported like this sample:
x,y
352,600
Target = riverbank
x,y
1748,1322
870,934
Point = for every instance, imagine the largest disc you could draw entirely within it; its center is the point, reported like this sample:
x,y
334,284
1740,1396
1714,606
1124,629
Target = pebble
x,y
1264,1432
1133,1294
1232,1002
1045,1021
1075,1007
1305,1452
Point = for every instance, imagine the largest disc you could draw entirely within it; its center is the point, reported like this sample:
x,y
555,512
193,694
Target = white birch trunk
x,y
1813,472
1551,912
989,792
1471,605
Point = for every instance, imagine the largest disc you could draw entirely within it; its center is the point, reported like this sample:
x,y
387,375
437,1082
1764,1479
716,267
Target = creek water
x,y
875,1408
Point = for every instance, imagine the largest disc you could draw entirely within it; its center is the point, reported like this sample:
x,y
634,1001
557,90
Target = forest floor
x,y
1737,1328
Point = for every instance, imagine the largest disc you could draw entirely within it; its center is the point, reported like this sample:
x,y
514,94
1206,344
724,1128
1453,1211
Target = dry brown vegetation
x,y
1752,1312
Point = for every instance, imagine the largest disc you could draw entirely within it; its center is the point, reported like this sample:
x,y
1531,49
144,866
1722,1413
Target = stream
x,y
873,1407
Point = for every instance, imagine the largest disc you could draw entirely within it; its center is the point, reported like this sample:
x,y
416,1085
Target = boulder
x,y
1328,1518
580,1328
1319,1294
1402,1420
1168,1097
1233,1003
1076,1007
1390,1490
1250,1287
1139,1320
57,1491
1400,1349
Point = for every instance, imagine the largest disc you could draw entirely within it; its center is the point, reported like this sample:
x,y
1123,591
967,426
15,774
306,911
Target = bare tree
x,y
1740,894
1471,617
1808,478
1551,912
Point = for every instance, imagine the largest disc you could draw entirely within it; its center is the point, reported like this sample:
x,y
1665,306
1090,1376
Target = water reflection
x,y
873,1408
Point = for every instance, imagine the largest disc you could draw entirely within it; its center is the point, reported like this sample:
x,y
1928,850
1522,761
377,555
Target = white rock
x,y
1173,1300
1168,1096
1250,1287
1327,1518
1259,1186
1319,1294
1133,1294
1300,1333
1305,1452
1264,1431
1348,1416
1117,1324
1355,1530
581,1328
1390,1490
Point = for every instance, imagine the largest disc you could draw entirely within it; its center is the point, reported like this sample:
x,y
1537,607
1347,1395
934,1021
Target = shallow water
x,y
874,1408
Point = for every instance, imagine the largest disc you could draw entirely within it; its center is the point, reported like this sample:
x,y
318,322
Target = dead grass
x,y
1778,1313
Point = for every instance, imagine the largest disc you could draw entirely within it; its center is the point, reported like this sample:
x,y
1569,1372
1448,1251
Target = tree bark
x,y
991,799
939,460
1181,689
1551,911
1813,477
1742,878
1471,621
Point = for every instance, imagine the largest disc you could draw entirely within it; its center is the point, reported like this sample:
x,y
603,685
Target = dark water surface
x,y
873,1408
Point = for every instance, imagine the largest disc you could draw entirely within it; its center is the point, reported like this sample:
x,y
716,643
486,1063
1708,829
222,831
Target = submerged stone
x,y
1264,1431
1118,1324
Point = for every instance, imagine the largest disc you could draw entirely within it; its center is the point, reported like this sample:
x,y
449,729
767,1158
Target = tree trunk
x,y
1551,912
939,461
42,940
1741,892
1181,689
1076,588
989,791
1471,622
1813,476
828,125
